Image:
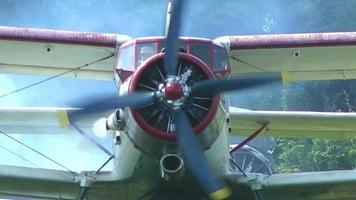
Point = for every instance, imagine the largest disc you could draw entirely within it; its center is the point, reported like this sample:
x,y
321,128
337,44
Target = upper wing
x,y
294,123
331,185
50,52
312,56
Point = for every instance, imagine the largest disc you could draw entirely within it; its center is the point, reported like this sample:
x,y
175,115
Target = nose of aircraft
x,y
173,90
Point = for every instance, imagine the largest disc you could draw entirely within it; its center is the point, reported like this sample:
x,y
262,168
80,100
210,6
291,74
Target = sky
x,y
138,18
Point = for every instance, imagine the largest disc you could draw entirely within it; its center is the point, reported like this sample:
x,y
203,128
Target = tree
x,y
317,154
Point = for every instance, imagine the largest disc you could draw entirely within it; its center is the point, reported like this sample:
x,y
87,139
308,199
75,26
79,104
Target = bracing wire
x,y
36,151
56,76
19,156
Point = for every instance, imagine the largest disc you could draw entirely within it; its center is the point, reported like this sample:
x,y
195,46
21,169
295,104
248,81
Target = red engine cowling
x,y
150,128
156,119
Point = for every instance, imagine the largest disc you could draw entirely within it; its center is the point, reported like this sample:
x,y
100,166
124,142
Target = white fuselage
x,y
134,142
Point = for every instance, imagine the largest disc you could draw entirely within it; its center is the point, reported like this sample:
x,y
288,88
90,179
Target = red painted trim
x,y
118,69
135,54
158,133
189,41
190,48
157,47
292,40
223,72
249,138
160,39
54,36
143,40
128,43
136,42
209,43
196,39
211,55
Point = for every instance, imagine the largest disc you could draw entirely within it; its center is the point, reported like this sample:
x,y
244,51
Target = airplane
x,y
169,120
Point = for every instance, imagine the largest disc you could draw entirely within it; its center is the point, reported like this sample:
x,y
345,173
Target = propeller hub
x,y
173,93
173,90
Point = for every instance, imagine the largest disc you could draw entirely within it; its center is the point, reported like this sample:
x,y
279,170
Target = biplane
x,y
170,118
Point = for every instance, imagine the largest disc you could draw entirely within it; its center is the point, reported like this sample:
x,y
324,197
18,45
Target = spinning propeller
x,y
171,93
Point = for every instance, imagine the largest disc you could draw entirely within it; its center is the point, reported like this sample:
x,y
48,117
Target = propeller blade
x,y
112,102
195,159
211,87
168,17
171,47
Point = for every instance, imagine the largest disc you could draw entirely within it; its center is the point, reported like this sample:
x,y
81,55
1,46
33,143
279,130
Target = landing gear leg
x,y
84,188
249,138
83,193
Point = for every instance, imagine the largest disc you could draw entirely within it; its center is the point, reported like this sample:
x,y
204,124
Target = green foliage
x,y
294,154
314,154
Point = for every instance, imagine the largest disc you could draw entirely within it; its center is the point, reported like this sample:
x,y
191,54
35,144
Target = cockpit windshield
x,y
145,51
136,52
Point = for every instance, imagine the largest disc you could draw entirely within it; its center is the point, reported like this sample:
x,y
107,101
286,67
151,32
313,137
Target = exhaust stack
x,y
171,167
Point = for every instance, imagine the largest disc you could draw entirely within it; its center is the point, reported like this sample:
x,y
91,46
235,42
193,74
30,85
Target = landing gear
x,y
250,160
83,193
247,159
85,184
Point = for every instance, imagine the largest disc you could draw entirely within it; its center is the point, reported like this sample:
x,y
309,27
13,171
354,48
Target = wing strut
x,y
243,143
86,181
83,193
84,188
251,137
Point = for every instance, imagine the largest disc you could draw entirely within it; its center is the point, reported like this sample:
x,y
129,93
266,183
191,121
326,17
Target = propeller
x,y
111,101
171,58
195,159
212,87
187,141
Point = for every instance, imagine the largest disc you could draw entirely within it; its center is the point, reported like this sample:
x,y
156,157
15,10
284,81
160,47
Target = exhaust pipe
x,y
171,167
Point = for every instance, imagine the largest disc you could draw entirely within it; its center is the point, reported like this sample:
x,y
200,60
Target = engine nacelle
x,y
150,127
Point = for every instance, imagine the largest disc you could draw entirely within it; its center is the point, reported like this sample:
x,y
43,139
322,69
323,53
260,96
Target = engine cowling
x,y
150,128
156,119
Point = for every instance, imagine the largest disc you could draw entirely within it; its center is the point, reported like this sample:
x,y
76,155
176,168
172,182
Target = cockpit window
x,y
202,51
126,58
221,62
145,51
183,46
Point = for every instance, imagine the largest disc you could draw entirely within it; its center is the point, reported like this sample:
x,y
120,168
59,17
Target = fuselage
x,y
146,135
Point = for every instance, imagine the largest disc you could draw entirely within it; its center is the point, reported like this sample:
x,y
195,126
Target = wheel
x,y
251,160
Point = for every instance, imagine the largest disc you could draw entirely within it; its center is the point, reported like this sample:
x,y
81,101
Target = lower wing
x,y
330,185
294,123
